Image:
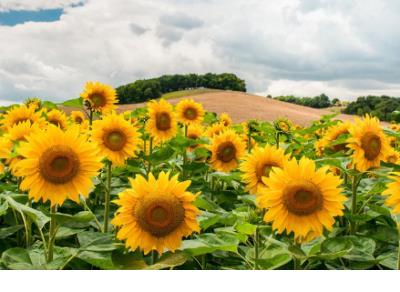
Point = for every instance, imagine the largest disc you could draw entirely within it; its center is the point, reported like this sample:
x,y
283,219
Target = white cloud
x,y
7,5
342,48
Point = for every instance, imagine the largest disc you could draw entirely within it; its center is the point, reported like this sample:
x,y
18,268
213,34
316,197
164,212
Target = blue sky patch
x,y
14,17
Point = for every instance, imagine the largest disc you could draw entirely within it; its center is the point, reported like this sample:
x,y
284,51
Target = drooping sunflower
x,y
283,125
225,119
162,120
57,118
57,165
189,112
20,114
369,143
77,117
215,129
301,199
226,148
258,164
334,133
116,138
100,97
393,193
155,214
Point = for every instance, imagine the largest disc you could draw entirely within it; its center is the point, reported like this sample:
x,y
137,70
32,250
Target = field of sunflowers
x,y
175,187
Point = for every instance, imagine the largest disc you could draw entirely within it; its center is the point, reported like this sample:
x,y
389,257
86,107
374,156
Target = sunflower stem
x,y
355,183
184,156
153,257
90,117
248,138
277,140
52,231
398,251
107,198
149,161
256,247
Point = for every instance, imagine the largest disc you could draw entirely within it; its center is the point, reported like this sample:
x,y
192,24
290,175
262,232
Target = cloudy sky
x,y
49,48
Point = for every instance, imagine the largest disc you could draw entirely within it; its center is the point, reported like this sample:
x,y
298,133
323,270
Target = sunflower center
x,y
59,164
226,152
21,120
264,170
55,122
115,140
160,215
163,121
78,120
98,100
372,145
190,113
302,198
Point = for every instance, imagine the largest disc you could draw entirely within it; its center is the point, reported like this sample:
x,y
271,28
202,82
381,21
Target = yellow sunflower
x,y
20,114
332,134
369,143
301,199
393,193
258,164
225,119
6,146
77,117
393,156
57,165
162,120
215,129
22,130
2,168
116,138
57,118
226,148
155,214
195,131
189,112
283,125
100,97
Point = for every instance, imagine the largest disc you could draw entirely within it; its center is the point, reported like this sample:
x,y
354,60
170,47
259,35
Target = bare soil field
x,y
243,106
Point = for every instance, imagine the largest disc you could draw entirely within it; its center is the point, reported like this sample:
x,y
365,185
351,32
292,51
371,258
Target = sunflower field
x,y
176,187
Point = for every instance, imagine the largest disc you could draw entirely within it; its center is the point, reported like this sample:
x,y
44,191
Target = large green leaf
x,y
17,258
8,231
210,242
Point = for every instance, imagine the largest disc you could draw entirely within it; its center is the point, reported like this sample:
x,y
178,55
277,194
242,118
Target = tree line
x,y
146,89
386,108
320,101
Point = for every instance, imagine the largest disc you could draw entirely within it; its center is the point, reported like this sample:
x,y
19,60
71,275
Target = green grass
x,y
188,92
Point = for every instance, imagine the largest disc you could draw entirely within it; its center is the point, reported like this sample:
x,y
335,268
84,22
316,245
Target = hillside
x,y
243,106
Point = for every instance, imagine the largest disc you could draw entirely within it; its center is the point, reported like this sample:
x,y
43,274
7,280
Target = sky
x,y
345,49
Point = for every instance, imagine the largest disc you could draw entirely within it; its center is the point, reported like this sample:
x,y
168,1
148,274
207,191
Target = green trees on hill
x,y
320,101
143,90
384,107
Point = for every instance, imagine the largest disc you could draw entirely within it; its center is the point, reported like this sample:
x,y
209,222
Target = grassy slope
x,y
188,92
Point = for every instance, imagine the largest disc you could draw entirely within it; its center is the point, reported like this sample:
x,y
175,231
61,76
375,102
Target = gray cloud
x,y
343,48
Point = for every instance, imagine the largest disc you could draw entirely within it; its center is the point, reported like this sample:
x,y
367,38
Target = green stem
x,y
90,118
107,198
52,231
248,138
256,248
149,162
296,260
277,140
184,156
153,258
355,183
398,254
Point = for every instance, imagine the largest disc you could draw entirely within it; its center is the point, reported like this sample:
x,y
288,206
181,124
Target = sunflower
x,y
369,143
283,125
195,131
77,117
393,156
393,193
155,214
21,131
6,147
189,111
57,165
20,114
332,134
301,199
100,97
258,164
215,129
57,118
225,119
226,148
2,168
162,120
116,138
